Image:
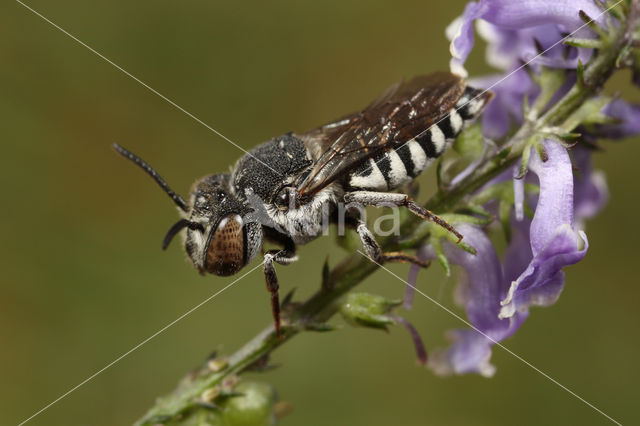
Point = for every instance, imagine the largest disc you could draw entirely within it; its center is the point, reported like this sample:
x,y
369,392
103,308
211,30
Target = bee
x,y
282,189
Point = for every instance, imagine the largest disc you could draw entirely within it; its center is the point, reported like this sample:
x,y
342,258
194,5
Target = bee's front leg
x,y
375,252
283,257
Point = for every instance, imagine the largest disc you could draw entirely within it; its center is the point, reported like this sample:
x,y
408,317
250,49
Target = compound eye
x,y
283,198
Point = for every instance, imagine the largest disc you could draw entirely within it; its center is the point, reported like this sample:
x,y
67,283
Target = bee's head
x,y
218,239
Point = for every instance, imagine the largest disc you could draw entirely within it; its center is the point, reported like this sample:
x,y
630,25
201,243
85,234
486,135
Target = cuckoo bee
x,y
280,189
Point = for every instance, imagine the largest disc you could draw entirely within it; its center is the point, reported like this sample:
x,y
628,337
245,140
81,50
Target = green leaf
x,y
466,247
470,143
524,161
454,218
542,153
287,299
549,80
504,211
580,72
526,108
439,177
587,43
498,191
479,210
592,24
588,113
624,56
503,154
441,256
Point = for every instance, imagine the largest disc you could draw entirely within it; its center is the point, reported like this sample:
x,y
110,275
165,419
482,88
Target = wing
x,y
403,112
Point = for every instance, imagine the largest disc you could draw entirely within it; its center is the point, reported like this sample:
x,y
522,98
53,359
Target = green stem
x,y
355,268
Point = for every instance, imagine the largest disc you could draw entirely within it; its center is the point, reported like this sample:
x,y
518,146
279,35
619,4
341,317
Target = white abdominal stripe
x,y
399,166
471,103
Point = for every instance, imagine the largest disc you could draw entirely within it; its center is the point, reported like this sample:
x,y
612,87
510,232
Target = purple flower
x,y
515,30
497,295
555,243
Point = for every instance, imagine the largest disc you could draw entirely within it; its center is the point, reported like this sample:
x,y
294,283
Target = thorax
x,y
259,175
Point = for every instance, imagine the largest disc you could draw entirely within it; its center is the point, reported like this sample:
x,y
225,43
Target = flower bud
x,y
217,364
252,407
368,310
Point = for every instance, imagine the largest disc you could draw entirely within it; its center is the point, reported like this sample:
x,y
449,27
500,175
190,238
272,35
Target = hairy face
x,y
221,242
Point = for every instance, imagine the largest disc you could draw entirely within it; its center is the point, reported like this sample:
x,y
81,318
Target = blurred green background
x,y
83,276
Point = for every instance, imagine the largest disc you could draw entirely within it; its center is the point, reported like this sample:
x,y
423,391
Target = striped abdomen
x,y
399,166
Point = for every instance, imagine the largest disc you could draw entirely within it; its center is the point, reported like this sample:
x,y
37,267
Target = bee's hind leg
x,y
283,257
386,199
375,252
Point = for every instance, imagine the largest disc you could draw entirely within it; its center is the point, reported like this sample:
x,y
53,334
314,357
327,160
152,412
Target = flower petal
x,y
469,352
460,32
529,13
484,285
510,37
480,295
555,204
554,242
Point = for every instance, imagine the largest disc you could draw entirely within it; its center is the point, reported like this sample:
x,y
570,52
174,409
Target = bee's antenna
x,y
177,199
177,227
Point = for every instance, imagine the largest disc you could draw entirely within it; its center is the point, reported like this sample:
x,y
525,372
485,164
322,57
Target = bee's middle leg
x,y
283,257
375,252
